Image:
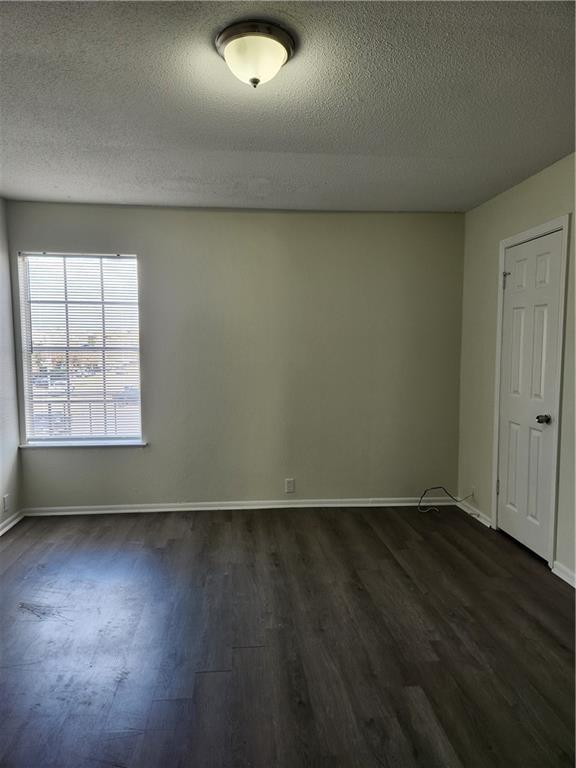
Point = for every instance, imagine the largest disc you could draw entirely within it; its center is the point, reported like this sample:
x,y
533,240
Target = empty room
x,y
287,357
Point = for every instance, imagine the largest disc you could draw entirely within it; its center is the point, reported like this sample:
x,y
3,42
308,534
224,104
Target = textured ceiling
x,y
386,105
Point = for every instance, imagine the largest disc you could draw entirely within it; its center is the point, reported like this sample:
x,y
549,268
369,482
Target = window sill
x,y
85,444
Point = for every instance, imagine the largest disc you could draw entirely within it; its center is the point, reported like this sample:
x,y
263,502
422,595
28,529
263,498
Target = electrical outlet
x,y
5,503
289,485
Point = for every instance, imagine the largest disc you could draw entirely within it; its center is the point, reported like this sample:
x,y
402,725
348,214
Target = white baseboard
x,y
203,506
473,512
10,522
564,573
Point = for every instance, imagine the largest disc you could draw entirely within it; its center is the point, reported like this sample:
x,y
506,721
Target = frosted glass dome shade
x,y
255,59
255,51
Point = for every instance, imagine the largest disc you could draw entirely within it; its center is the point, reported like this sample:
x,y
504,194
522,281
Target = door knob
x,y
544,418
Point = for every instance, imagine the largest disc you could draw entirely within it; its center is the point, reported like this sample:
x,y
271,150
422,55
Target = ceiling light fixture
x,y
255,50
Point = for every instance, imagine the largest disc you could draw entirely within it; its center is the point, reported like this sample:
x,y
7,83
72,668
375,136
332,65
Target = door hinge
x,y
504,276
497,486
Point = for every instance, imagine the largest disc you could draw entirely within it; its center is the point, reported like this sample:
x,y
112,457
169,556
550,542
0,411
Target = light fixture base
x,y
262,28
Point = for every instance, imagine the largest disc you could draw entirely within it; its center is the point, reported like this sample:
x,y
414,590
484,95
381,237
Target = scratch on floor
x,y
41,612
21,664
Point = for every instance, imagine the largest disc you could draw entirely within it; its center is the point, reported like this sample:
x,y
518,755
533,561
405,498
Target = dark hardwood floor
x,y
322,638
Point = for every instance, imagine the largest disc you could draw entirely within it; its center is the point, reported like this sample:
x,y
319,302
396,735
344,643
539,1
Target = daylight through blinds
x,y
80,347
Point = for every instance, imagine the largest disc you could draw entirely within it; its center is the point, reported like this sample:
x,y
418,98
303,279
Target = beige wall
x,y
323,347
542,197
9,459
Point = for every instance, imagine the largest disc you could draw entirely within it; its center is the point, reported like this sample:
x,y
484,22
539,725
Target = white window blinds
x,y
80,347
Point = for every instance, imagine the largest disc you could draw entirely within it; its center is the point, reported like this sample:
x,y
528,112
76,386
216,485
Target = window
x,y
80,348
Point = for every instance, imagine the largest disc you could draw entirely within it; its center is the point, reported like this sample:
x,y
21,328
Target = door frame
x,y
560,224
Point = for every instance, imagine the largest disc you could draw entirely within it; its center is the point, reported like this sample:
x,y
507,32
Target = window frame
x,y
73,441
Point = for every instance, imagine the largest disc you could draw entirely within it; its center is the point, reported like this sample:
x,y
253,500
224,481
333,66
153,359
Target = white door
x,y
529,390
